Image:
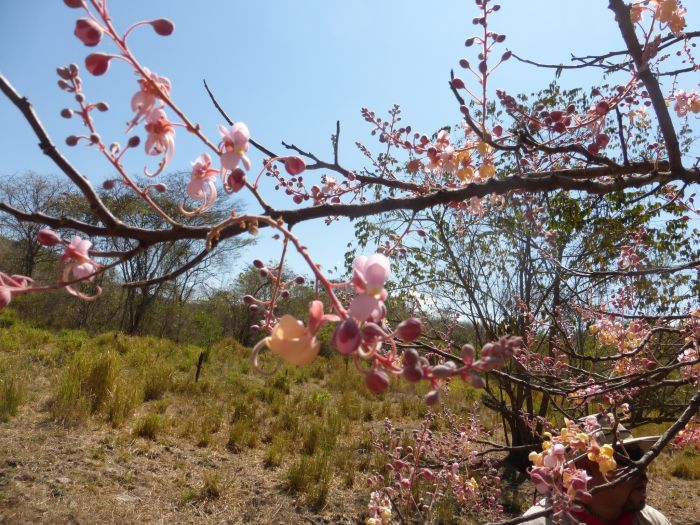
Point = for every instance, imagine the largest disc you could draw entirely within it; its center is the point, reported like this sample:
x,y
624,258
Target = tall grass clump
x,y
11,394
85,387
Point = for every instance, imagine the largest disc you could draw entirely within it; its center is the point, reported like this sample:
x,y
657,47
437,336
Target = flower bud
x,y
248,299
71,140
236,180
432,397
347,336
258,264
97,63
66,113
412,374
74,3
162,26
160,187
88,31
63,72
468,354
377,381
458,83
109,184
443,371
410,329
133,141
373,331
48,237
294,165
410,357
476,381
299,279
102,106
602,108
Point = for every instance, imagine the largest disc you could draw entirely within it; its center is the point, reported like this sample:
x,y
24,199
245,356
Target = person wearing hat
x,y
622,504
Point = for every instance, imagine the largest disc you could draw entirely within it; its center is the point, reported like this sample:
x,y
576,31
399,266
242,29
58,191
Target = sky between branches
x,y
289,70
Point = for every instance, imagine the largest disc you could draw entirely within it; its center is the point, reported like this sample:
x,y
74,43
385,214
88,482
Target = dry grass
x,y
117,427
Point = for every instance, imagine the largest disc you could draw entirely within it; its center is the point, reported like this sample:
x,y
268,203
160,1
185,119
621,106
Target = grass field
x,y
114,429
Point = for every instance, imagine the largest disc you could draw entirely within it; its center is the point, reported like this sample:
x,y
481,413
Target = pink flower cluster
x,y
686,102
74,266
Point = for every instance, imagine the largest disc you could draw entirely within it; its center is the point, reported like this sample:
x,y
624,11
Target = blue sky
x,y
288,69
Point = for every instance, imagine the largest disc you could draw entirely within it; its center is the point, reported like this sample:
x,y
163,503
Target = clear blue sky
x,y
287,69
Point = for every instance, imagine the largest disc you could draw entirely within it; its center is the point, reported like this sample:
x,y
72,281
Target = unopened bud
x,y
294,165
66,113
160,187
410,357
74,3
162,26
458,83
299,279
63,72
102,106
248,299
71,140
133,141
432,397
377,381
88,31
476,381
48,237
444,371
347,336
97,63
62,84
412,374
109,184
410,329
94,138
258,263
467,354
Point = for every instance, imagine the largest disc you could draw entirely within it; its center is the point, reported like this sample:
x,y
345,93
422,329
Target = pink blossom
x,y
686,102
235,181
366,307
233,147
293,342
317,317
145,100
201,186
11,286
77,265
370,274
161,138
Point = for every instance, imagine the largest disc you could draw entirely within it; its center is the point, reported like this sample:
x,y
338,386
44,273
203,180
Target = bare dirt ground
x,y
84,475
52,474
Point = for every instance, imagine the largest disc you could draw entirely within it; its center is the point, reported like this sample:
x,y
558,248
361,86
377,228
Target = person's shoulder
x,y
650,516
